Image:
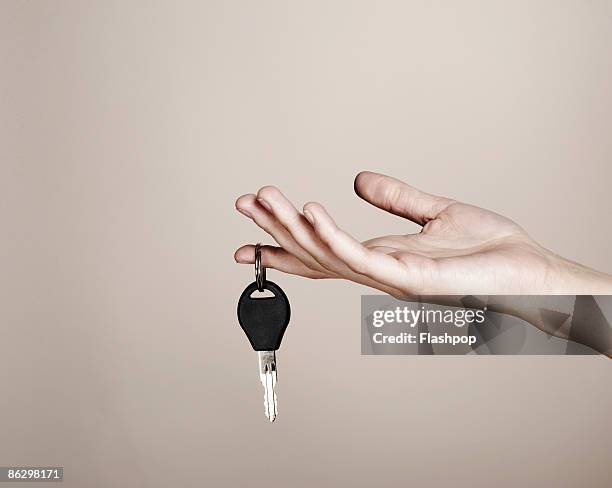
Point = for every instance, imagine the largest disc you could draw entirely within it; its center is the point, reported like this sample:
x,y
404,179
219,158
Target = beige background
x,y
127,131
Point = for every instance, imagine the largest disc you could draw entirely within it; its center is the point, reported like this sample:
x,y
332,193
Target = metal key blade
x,y
267,376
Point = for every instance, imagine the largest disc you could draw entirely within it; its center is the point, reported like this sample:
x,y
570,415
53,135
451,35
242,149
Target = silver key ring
x,y
260,271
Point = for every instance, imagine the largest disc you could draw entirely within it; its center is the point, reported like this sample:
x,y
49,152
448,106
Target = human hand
x,y
461,249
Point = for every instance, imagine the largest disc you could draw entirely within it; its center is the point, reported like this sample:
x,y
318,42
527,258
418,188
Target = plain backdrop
x,y
127,131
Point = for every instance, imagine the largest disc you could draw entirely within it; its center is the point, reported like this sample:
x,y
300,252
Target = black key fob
x,y
265,319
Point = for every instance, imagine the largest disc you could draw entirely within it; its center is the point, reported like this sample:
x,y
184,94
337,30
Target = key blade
x,y
267,376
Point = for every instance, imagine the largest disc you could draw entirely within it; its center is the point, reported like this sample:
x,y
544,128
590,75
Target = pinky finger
x,y
277,258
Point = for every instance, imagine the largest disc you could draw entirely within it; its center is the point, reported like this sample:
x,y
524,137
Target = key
x,y
264,321
267,376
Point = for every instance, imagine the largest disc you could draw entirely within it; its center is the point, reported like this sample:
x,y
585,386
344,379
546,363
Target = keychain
x,y
264,321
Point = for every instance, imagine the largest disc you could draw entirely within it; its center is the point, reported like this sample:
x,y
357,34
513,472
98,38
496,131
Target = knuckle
x,y
329,235
292,221
396,200
359,265
270,252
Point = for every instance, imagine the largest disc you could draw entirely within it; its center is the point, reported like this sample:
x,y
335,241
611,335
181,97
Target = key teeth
x,y
267,376
270,400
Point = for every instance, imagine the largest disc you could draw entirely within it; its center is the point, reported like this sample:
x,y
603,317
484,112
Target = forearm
x,y
579,318
585,319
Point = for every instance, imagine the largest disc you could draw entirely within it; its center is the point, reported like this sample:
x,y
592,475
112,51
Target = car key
x,y
264,321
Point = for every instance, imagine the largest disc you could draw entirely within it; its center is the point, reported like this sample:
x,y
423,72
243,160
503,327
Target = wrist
x,y
570,278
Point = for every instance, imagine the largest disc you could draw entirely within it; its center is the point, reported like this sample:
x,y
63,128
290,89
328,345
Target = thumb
x,y
398,198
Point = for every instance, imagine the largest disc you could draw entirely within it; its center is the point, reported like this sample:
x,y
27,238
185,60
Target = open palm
x,y
461,249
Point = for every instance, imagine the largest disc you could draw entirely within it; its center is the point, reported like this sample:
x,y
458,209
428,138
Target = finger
x,y
305,236
279,259
249,206
394,241
408,243
300,229
398,198
383,249
377,266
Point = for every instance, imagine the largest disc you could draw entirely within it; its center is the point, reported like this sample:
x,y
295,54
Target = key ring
x,y
260,271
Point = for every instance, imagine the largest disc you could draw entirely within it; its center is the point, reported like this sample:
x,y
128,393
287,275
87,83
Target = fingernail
x,y
309,216
244,212
265,204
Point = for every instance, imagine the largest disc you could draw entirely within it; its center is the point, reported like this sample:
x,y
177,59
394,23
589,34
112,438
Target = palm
x,y
468,249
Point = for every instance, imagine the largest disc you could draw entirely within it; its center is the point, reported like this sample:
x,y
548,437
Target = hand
x,y
461,249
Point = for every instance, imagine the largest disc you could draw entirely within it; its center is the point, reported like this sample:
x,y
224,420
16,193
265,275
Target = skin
x,y
461,249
